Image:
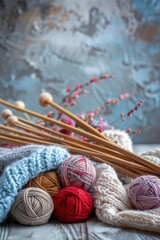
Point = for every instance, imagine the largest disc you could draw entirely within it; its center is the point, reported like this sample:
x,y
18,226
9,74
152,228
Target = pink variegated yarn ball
x,y
77,171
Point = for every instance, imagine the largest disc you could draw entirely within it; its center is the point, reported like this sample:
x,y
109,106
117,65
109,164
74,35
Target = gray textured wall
x,y
51,45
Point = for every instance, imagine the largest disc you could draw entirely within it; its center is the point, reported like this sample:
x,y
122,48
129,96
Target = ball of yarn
x,y
77,171
144,192
72,204
32,206
47,181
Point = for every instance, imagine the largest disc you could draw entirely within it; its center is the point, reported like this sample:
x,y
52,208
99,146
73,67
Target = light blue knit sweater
x,y
22,164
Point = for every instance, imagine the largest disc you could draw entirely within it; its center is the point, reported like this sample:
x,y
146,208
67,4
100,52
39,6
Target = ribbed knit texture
x,y
16,175
123,140
113,206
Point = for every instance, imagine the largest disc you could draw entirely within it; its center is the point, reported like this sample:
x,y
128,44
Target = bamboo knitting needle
x,y
13,121
112,160
118,168
87,144
89,135
7,113
19,132
6,139
45,99
56,122
91,145
21,143
84,151
25,139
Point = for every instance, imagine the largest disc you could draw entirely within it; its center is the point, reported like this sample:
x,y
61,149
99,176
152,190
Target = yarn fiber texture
x,y
123,140
152,155
120,138
77,171
144,192
32,206
72,205
47,181
113,206
16,175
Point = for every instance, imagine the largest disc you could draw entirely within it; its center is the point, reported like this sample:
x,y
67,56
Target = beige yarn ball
x,y
33,206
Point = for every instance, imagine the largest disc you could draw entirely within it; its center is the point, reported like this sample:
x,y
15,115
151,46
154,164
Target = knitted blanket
x,y
19,165
112,204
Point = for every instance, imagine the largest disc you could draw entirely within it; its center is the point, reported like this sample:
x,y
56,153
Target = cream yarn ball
x,y
32,206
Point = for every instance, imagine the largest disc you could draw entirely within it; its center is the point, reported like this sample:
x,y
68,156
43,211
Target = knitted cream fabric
x,y
123,140
120,138
153,155
113,206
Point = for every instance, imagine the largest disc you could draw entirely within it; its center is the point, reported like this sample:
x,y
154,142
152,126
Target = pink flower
x,y
129,130
114,101
76,95
67,121
68,90
121,97
109,100
94,79
79,86
50,114
122,114
91,114
84,139
106,76
96,111
126,95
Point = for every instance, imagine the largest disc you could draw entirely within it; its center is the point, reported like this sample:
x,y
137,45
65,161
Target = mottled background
x,y
51,45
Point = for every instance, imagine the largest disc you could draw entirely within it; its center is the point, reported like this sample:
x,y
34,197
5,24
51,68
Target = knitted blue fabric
x,y
16,175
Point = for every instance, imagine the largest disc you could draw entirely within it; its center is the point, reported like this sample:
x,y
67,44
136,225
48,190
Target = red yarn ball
x,y
72,204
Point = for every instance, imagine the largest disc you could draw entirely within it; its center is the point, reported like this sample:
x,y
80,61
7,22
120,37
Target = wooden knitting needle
x,y
17,142
7,113
118,168
13,120
19,132
7,139
45,99
88,135
25,139
73,150
112,159
87,144
58,123
73,147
